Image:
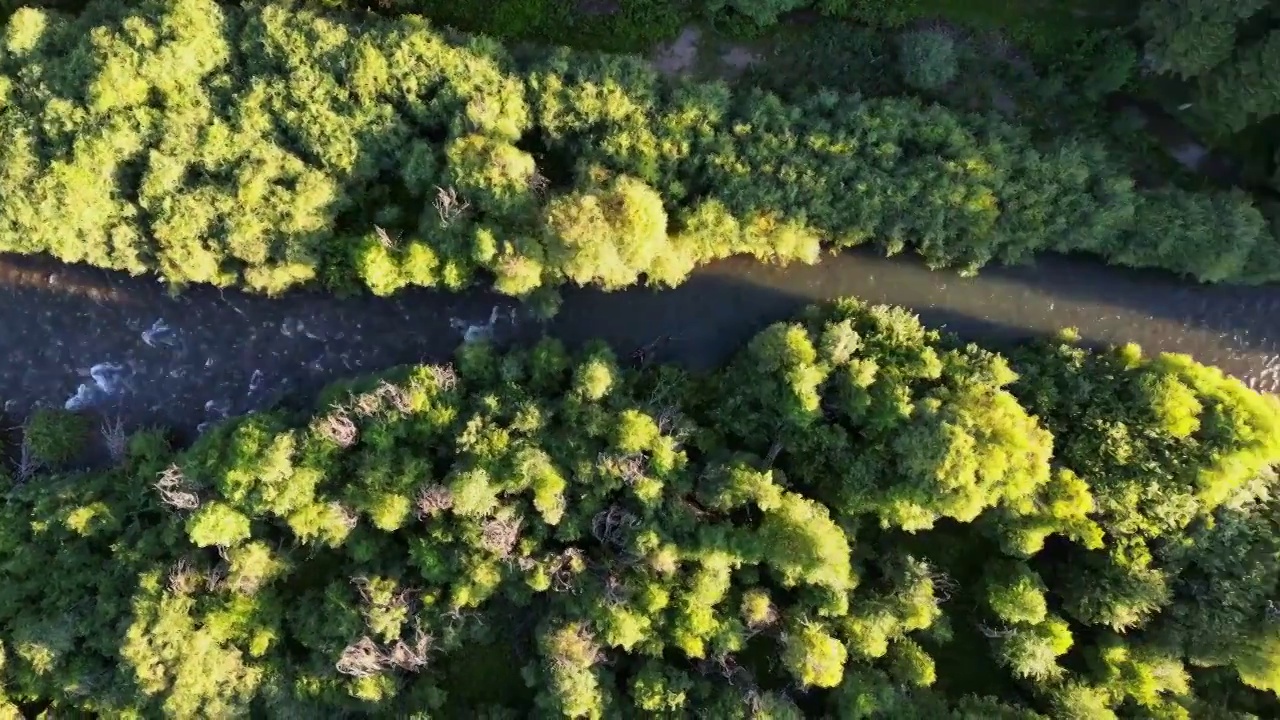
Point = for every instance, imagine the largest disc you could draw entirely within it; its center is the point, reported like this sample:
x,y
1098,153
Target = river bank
x,y
124,348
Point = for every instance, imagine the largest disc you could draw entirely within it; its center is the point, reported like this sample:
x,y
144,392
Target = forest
x,y
270,146
855,517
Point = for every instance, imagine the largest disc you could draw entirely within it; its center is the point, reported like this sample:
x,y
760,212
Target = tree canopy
x,y
272,145
855,518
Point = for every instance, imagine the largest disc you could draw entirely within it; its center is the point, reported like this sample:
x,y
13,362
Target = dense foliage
x,y
1190,37
855,518
53,437
1230,49
927,58
271,146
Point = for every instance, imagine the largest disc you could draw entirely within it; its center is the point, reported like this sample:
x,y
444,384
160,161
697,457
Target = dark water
x,y
123,347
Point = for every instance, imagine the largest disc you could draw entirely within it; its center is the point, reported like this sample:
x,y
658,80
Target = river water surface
x,y
124,348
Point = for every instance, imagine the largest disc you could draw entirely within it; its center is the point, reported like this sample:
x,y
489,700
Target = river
x,y
124,348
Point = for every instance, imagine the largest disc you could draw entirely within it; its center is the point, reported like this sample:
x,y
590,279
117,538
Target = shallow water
x,y
123,347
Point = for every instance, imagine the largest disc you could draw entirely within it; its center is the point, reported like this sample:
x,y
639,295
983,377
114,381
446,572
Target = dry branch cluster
x,y
613,527
115,438
448,206
630,466
349,517
339,427
446,377
175,491
365,658
500,535
565,568
433,500
27,464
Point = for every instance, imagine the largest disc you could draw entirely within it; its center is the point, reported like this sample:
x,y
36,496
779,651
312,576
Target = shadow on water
x,y
1236,328
123,346
1249,316
715,313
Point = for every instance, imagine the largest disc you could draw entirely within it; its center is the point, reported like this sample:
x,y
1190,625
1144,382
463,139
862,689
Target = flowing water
x,y
123,347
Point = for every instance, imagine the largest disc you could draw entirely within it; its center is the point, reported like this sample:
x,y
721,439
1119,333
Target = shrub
x,y
1190,37
55,437
891,13
1099,63
1244,91
927,59
762,12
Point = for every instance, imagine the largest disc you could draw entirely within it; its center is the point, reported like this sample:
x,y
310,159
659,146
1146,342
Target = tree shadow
x,y
1246,317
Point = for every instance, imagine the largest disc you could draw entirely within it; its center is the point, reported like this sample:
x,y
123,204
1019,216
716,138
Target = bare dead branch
x,y
499,536
175,491
27,464
349,517
367,404
727,667
339,427
247,584
395,396
615,591
384,238
398,601
613,527
117,441
216,578
774,449
410,656
668,416
449,206
361,659
564,573
630,467
994,633
539,184
183,579
446,377
361,584
433,500
944,586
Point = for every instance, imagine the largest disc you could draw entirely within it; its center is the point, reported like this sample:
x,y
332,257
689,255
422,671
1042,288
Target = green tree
x,y
1031,651
1190,37
813,657
55,437
1016,593
927,59
1243,91
612,235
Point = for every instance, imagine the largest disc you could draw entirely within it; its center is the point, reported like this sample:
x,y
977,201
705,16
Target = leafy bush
x,y
1245,90
1190,37
1100,63
891,13
850,517
762,12
55,437
927,58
